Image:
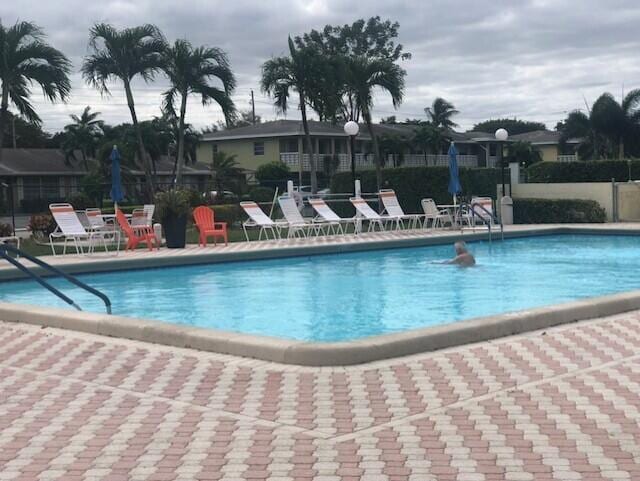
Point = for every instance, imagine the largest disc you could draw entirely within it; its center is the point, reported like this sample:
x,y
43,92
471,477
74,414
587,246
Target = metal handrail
x,y
4,249
472,208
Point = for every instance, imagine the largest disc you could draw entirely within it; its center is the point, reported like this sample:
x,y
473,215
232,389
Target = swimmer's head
x,y
460,247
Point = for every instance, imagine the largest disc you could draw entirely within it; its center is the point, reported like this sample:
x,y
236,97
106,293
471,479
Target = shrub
x,y
229,213
412,184
172,203
589,171
80,201
194,197
273,174
5,230
261,194
41,225
552,211
95,186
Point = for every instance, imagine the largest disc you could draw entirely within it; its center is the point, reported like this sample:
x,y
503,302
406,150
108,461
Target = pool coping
x,y
304,353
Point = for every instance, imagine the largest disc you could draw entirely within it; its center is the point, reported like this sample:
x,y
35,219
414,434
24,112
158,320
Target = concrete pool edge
x,y
324,354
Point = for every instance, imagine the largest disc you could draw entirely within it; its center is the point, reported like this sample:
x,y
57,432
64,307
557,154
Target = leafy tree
x,y
389,120
26,59
83,135
243,119
372,38
440,114
578,125
280,75
366,75
124,55
524,153
224,169
28,135
617,122
513,126
190,71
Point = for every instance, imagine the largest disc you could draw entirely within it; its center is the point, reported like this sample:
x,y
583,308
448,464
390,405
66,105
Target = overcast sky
x,y
531,59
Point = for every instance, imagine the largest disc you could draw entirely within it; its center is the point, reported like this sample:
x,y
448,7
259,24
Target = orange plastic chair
x,y
203,216
136,235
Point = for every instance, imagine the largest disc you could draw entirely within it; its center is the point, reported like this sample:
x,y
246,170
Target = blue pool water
x,y
348,296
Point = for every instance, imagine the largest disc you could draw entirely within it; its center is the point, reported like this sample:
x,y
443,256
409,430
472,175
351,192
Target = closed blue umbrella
x,y
454,179
116,184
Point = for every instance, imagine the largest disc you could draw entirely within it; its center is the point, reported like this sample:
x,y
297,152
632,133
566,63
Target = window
x,y
215,148
258,148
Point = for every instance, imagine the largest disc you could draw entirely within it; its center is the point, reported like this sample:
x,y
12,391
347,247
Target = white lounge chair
x,y
438,217
98,224
257,218
70,228
327,216
482,209
394,210
295,223
368,213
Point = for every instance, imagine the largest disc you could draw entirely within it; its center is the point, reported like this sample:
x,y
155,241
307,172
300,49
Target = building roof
x,y
288,128
542,137
37,162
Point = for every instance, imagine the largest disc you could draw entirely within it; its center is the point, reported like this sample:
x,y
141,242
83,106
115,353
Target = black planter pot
x,y
175,231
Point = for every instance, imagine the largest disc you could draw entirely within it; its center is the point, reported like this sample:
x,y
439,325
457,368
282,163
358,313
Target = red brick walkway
x,y
560,405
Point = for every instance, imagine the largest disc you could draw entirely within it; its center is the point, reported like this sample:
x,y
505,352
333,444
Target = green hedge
x,y
552,211
229,213
412,184
588,171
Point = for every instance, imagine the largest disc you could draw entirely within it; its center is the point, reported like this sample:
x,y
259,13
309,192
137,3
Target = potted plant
x,y
173,208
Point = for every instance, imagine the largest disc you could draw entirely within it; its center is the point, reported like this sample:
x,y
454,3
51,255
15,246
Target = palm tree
x,y
83,134
619,122
364,75
282,74
224,169
123,55
25,59
190,70
440,113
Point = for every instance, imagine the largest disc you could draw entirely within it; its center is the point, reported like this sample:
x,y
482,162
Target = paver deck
x,y
560,404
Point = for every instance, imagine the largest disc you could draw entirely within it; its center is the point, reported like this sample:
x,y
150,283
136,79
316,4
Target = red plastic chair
x,y
136,235
203,216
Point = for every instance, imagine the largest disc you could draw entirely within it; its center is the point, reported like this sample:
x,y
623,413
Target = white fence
x,y
568,158
365,161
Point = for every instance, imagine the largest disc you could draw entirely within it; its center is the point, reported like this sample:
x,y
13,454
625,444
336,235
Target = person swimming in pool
x,y
463,257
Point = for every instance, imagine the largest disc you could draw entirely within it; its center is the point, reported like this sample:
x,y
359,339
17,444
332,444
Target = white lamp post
x,y
501,136
352,128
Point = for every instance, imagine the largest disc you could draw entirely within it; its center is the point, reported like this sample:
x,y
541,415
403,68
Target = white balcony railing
x,y
568,158
365,161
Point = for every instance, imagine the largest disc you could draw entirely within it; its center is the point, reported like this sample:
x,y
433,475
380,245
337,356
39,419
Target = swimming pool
x,y
342,297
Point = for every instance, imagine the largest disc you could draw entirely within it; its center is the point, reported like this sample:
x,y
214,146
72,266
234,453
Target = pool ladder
x,y
6,249
472,208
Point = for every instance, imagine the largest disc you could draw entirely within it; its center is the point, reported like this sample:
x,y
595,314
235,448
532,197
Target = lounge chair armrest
x,y
221,225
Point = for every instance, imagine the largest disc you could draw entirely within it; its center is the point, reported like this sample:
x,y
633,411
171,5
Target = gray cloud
x,y
534,59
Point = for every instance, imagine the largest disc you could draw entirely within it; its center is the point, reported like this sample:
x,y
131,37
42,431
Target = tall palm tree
x,y
83,134
123,55
440,113
619,122
428,139
364,75
190,70
25,59
280,75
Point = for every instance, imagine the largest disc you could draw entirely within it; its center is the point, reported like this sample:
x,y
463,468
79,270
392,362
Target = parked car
x,y
223,197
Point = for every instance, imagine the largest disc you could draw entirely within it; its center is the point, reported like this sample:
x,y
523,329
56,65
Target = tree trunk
x,y
621,149
180,160
307,136
4,109
376,149
142,153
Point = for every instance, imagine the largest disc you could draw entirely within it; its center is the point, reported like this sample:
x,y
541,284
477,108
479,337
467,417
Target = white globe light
x,y
502,135
351,128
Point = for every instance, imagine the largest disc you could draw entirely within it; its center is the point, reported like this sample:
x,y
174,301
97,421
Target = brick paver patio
x,y
561,404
